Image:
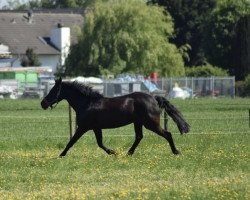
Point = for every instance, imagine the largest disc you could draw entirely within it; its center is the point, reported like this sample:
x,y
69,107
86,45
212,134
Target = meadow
x,y
214,164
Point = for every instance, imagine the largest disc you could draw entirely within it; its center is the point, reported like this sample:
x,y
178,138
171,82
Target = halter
x,y
57,97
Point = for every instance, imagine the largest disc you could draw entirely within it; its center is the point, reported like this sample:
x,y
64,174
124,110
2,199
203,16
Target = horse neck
x,y
75,99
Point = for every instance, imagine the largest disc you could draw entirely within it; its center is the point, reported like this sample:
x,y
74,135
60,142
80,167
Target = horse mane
x,y
85,90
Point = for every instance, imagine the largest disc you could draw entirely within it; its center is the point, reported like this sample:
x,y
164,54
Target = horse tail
x,y
175,114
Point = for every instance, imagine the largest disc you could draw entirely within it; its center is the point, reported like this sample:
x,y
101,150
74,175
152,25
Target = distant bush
x,y
205,71
247,86
240,88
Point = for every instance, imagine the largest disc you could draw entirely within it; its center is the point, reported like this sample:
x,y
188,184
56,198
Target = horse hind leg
x,y
98,135
138,138
167,135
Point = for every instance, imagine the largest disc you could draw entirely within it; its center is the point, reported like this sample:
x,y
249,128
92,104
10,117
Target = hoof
x,y
111,152
62,155
130,153
176,152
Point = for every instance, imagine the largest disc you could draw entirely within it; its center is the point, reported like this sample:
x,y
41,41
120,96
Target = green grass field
x,y
215,160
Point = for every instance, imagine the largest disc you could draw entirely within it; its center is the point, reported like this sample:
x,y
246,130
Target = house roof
x,y
20,32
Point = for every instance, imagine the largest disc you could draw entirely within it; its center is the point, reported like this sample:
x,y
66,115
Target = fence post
x,y
233,87
162,83
249,117
165,121
171,83
70,123
192,87
212,86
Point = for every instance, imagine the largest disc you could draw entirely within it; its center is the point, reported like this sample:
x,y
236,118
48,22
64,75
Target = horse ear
x,y
59,80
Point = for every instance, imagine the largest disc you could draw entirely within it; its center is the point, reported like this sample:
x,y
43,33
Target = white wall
x,y
50,60
46,60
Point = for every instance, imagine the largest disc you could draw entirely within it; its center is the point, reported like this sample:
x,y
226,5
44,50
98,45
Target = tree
x,y
227,37
206,70
30,59
125,36
51,4
66,3
241,48
15,4
190,19
21,5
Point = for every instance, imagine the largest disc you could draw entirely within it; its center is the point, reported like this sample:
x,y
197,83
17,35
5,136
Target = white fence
x,y
202,86
192,87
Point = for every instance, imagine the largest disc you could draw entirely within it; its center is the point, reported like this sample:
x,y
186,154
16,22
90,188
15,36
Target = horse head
x,y
54,95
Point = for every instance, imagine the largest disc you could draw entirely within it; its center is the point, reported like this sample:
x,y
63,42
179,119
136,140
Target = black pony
x,y
96,112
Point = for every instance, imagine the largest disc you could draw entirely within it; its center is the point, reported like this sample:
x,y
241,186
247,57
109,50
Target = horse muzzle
x,y
44,104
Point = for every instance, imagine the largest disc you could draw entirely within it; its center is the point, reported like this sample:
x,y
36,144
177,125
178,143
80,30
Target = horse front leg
x,y
79,132
98,135
138,138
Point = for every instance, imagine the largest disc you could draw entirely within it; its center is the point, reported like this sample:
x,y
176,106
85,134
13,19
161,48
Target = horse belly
x,y
114,120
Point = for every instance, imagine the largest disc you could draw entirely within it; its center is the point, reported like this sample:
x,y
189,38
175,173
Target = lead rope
x,y
57,97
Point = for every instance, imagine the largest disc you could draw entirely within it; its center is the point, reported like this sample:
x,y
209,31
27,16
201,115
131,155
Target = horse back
x,y
119,111
145,104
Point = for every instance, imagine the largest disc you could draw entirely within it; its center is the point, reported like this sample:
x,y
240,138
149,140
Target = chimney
x,y
60,38
30,16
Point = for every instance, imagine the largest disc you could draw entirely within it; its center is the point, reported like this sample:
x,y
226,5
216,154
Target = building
x,y
48,32
5,56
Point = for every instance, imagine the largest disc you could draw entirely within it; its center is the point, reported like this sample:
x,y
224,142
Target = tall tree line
x,y
217,31
122,36
227,37
48,4
190,19
208,31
